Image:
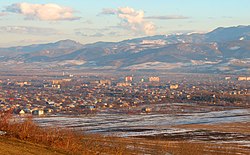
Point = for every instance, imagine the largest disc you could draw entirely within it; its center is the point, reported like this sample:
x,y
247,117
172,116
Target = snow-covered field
x,y
164,126
143,124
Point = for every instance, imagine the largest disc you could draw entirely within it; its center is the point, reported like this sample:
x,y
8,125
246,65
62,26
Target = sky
x,y
88,21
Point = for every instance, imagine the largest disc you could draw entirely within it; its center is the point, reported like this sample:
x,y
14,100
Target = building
x,y
88,107
38,112
146,109
123,84
244,78
56,82
21,84
154,79
58,86
128,79
21,112
51,103
174,86
105,82
66,80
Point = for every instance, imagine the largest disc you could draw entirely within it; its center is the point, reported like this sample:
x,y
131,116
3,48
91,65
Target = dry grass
x,y
71,142
28,131
66,140
13,146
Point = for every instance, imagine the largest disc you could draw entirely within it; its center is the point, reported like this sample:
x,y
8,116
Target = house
x,y
174,86
105,82
146,109
128,79
22,112
91,107
38,112
154,79
51,103
243,78
48,110
123,84
88,107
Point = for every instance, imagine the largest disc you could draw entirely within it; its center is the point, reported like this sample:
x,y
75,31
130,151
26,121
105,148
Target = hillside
x,y
24,148
223,50
147,145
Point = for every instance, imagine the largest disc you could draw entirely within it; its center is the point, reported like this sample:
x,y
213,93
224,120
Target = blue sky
x,y
29,22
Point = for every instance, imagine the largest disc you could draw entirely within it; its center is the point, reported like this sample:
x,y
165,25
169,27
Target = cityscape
x,y
134,77
77,95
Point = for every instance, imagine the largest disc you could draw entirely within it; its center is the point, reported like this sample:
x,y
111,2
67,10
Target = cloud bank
x,y
46,12
28,30
132,19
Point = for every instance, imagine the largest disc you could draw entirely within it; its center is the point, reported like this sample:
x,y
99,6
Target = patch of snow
x,y
47,52
132,47
152,123
72,62
242,61
241,38
105,67
180,40
155,65
152,132
131,44
153,42
215,45
2,133
200,62
178,34
234,48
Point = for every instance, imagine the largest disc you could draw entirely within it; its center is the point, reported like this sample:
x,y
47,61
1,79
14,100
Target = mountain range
x,y
223,50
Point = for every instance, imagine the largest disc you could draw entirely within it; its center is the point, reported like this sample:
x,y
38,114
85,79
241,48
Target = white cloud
x,y
28,30
79,33
132,19
109,11
49,12
167,17
98,34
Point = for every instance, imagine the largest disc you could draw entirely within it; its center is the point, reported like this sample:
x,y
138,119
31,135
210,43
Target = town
x,y
71,94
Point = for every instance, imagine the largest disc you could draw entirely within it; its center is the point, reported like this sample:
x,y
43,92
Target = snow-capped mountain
x,y
221,50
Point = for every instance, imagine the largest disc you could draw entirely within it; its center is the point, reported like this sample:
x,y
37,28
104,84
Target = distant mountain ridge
x,y
223,50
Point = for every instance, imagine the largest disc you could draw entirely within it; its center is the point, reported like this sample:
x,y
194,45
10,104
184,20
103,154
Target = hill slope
x,y
223,50
24,148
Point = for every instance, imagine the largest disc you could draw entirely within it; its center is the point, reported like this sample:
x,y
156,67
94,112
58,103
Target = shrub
x,y
62,139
